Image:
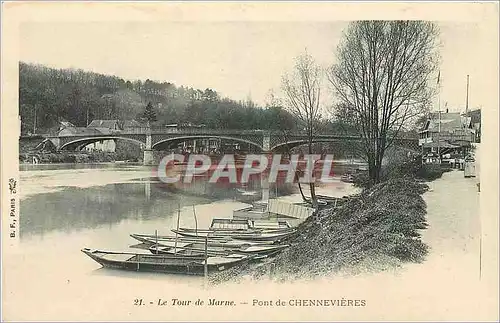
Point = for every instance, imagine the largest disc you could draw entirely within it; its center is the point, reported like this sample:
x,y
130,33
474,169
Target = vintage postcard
x,y
253,161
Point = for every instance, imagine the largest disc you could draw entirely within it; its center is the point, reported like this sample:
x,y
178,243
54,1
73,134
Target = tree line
x,y
48,96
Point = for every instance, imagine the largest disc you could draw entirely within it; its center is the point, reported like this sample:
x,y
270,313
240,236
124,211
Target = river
x,y
65,208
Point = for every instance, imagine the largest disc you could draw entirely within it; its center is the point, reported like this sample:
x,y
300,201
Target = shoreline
x,y
349,240
379,230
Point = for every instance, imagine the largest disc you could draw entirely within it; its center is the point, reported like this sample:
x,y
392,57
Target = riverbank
x,y
377,230
439,288
70,157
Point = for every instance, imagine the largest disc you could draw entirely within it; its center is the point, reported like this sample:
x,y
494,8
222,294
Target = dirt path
x,y
454,225
448,282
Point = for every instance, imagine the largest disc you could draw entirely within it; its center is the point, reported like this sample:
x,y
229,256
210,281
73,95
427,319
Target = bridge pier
x,y
266,143
147,190
264,184
148,157
264,178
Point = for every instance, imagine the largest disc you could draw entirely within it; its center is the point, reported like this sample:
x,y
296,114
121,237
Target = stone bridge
x,y
166,138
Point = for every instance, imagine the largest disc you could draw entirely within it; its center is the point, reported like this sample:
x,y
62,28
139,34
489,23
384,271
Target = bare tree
x,y
302,90
283,124
383,80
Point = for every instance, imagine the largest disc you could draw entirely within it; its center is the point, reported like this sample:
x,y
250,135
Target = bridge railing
x,y
219,132
189,131
209,131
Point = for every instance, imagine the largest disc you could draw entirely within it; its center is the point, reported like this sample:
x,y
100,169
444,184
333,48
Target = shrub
x,y
411,169
431,172
361,180
82,158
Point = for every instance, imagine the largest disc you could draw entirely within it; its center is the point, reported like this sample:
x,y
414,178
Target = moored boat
x,y
229,232
191,249
248,236
221,239
165,263
246,224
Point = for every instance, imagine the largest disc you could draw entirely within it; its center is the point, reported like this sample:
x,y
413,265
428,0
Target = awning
x,y
443,144
461,143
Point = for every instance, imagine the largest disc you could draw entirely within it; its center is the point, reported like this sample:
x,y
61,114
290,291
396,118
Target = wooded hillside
x,y
79,97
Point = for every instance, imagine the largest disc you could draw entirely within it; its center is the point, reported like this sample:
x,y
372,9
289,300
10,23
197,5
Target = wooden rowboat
x,y
163,263
245,224
248,236
194,250
179,251
191,249
218,240
230,233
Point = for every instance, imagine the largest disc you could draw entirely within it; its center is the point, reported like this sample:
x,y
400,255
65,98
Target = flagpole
x,y
439,114
466,107
467,97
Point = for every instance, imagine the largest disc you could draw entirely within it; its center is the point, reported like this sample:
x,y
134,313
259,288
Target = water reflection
x,y
73,209
116,200
142,199
124,166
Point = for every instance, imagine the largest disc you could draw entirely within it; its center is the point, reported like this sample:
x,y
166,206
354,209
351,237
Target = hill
x,y
51,95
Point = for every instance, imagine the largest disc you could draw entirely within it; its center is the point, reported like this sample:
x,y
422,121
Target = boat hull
x,y
271,237
219,239
199,250
163,263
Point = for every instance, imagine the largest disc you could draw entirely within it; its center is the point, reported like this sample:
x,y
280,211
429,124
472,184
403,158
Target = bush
x,y
70,157
361,180
82,158
411,169
128,151
431,172
102,157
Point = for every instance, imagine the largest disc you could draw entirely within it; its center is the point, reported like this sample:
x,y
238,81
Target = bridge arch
x,y
295,143
82,142
185,138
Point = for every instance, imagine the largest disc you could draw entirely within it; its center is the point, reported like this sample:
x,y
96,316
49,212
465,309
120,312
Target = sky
x,y
240,60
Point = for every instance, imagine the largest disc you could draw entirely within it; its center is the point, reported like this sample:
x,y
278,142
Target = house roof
x,y
104,131
442,144
81,131
131,124
110,124
66,124
449,121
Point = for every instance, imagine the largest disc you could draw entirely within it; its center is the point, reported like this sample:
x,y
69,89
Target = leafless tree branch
x,y
383,80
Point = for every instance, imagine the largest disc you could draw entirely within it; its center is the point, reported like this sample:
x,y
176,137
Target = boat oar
x,y
195,221
205,269
156,236
178,219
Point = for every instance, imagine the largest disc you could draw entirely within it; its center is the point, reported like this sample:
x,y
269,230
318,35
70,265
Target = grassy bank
x,y
68,157
49,155
374,231
410,170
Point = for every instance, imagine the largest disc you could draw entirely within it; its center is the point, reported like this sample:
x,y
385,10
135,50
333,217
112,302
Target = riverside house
x,y
446,134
